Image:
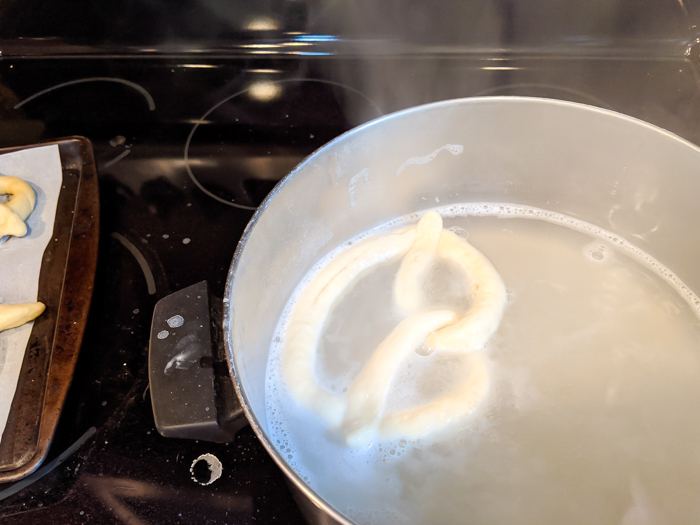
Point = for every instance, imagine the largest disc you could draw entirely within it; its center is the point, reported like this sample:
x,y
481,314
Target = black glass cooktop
x,y
196,112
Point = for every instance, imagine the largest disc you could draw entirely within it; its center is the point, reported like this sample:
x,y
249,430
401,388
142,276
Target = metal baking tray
x,y
65,287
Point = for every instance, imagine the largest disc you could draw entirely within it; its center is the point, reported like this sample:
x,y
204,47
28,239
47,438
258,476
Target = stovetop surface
x,y
193,127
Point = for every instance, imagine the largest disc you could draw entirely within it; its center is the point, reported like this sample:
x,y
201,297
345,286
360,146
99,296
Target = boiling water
x,y
594,410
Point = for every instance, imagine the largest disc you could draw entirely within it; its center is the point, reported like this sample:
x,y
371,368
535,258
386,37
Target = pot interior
x,y
609,170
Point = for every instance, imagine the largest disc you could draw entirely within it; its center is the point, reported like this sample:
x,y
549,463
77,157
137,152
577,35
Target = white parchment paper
x,y
20,258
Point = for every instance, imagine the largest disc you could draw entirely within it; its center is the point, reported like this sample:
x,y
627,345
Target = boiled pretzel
x,y
312,309
408,285
435,416
13,315
360,417
481,321
477,326
366,395
15,212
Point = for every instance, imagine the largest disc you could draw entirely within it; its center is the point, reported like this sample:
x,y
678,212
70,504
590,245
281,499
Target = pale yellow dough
x,y
12,217
14,315
15,212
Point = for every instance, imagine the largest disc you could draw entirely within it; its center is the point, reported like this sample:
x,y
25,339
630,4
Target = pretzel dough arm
x,y
443,412
10,223
23,196
473,330
408,285
367,394
312,310
14,315
15,212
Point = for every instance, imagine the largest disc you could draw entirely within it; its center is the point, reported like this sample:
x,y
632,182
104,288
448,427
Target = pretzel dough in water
x,y
311,312
443,412
477,326
15,212
483,318
360,416
366,396
408,286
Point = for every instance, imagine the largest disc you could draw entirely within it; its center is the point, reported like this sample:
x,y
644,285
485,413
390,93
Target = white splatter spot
x,y
455,149
119,140
166,236
186,240
215,468
351,186
176,321
163,334
187,350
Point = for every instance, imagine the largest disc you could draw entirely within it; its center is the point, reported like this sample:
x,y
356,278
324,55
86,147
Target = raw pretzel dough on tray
x,y
30,178
14,212
12,216
14,315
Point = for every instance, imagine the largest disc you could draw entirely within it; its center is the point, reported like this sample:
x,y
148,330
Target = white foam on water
x,y
510,211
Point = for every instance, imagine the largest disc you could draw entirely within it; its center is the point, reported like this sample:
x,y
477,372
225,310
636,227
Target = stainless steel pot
x,y
608,169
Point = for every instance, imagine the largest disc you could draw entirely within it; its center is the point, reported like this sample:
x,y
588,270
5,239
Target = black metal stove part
x,y
191,389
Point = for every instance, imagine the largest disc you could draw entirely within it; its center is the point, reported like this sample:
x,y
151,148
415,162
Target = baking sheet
x,y
20,258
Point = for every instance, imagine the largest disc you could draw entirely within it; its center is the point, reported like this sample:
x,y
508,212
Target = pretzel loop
x,y
15,212
360,415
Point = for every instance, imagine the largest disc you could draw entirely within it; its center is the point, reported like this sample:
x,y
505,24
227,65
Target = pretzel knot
x,y
15,212
360,415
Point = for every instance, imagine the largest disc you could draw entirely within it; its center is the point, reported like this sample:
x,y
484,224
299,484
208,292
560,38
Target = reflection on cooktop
x,y
248,141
